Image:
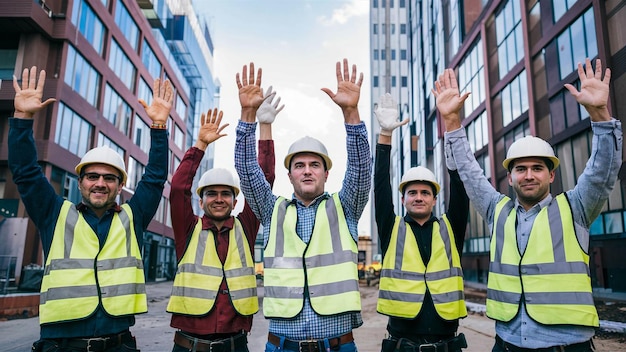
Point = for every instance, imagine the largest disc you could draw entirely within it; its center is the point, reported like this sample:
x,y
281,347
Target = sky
x,y
297,43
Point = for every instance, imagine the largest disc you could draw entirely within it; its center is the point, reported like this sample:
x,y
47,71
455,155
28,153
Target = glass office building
x,y
514,56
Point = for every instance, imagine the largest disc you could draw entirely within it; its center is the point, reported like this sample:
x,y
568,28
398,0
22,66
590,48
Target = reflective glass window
x,y
88,24
82,77
509,37
577,42
150,60
116,110
124,20
72,131
121,65
141,135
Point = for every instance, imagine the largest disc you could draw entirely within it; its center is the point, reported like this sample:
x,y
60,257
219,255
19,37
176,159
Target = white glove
x,y
387,115
266,113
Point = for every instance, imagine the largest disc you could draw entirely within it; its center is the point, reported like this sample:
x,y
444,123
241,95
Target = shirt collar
x,y
209,224
315,201
83,207
410,220
543,203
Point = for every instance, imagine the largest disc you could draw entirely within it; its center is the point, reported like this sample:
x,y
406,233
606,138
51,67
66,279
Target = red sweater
x,y
223,318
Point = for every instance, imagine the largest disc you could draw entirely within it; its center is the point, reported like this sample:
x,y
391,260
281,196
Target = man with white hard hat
x,y
93,284
311,280
421,280
214,295
539,289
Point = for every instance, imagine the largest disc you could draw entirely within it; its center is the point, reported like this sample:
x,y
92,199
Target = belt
x,y
97,344
222,345
311,345
576,347
453,344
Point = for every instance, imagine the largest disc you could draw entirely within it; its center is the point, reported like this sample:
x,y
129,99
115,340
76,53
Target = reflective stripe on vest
x,y
200,274
404,277
76,260
330,262
552,275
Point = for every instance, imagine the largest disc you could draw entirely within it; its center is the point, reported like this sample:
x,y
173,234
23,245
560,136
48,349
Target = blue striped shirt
x,y
353,195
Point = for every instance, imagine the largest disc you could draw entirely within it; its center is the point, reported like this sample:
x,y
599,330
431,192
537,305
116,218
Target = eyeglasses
x,y
108,178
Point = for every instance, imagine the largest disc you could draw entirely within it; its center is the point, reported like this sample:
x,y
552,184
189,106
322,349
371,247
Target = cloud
x,y
341,15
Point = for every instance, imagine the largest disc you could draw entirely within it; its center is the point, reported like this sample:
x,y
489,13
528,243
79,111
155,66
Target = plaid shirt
x,y
353,196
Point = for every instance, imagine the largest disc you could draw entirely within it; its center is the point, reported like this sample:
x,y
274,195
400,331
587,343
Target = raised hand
x,y
387,115
162,97
267,111
28,96
348,91
210,128
594,90
250,94
448,99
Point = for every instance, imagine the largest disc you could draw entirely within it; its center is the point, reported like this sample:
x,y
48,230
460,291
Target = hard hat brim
x,y
326,159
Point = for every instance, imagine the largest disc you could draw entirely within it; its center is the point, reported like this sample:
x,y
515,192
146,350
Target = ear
x,y
119,189
234,202
552,176
325,175
508,175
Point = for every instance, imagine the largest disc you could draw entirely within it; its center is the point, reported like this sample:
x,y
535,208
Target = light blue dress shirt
x,y
587,199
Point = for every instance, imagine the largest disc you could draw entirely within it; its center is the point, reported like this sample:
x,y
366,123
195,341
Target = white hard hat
x,y
529,147
217,177
420,174
103,155
308,145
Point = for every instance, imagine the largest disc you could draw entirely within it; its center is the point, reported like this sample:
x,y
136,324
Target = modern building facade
x,y
389,67
514,56
100,57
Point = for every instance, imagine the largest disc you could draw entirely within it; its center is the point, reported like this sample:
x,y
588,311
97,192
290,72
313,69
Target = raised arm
x,y
257,191
459,155
149,190
40,199
595,184
266,114
386,113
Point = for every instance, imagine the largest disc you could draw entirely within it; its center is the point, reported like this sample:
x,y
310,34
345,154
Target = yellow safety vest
x,y
79,275
404,277
552,275
326,267
200,274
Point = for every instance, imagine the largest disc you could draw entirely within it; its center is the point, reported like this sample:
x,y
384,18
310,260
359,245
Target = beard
x,y
103,202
